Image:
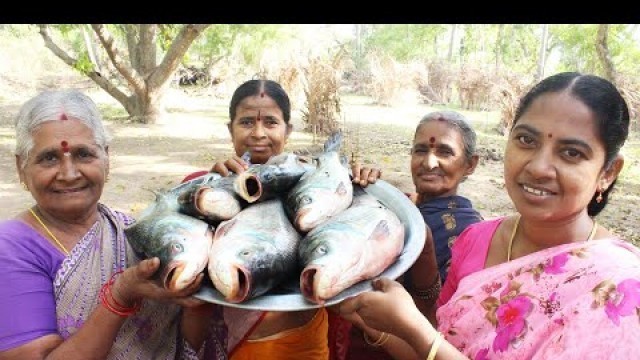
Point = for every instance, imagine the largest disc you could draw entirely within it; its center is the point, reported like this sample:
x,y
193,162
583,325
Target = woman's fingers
x,y
220,168
413,197
349,306
236,165
147,268
373,175
384,284
364,175
355,170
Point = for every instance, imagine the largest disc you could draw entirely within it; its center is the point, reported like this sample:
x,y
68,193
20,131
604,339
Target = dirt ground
x,y
193,135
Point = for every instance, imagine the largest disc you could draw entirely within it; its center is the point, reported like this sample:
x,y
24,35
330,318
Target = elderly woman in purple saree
x,y
58,257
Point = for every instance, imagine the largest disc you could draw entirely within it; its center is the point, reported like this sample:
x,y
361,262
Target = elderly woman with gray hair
x,y
443,154
72,286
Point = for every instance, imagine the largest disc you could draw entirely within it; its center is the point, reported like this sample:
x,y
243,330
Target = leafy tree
x,y
408,42
140,77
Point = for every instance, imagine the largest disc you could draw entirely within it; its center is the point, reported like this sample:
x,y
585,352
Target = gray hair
x,y
460,123
51,105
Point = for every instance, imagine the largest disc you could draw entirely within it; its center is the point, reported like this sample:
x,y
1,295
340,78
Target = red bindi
x,y
258,118
549,136
432,139
65,147
262,94
63,116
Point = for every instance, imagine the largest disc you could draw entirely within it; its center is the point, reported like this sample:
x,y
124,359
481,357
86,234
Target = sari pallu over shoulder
x,y
574,301
152,333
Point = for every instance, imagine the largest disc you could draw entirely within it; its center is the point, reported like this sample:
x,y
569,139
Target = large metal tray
x,y
288,297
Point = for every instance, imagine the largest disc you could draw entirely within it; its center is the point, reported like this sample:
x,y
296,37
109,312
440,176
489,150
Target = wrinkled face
x,y
438,163
66,170
554,158
259,128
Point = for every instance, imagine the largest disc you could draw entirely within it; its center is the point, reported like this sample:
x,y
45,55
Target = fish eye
x,y
268,176
306,200
322,249
245,253
176,248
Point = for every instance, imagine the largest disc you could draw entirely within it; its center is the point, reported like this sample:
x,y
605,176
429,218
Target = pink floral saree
x,y
574,301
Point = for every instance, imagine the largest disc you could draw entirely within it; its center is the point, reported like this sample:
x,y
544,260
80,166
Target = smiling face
x,y
554,159
438,161
65,171
259,127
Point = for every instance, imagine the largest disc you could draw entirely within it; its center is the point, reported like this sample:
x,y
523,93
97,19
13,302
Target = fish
x,y
254,252
277,176
322,192
210,197
356,244
180,241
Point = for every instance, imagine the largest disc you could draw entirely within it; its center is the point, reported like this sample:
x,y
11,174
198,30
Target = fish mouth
x,y
248,186
243,281
302,222
171,276
215,203
307,288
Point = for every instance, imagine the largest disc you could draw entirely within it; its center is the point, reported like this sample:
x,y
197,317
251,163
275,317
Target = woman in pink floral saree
x,y
544,305
548,282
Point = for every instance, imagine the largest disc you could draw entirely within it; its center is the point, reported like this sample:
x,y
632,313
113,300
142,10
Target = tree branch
x,y
132,77
178,48
105,84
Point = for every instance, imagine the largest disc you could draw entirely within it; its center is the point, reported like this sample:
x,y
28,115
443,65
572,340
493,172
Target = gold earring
x,y
599,197
24,186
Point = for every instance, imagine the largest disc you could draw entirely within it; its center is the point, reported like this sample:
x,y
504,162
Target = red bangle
x,y
113,305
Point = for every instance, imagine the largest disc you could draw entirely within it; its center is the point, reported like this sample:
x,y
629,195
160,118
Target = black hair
x,y
459,123
607,105
256,87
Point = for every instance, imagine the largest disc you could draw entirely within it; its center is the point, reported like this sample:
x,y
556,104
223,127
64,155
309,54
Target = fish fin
x,y
132,232
334,142
381,231
247,157
344,160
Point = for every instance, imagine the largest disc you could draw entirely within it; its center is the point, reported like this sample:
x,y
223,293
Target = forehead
x,y
259,103
440,131
52,133
561,114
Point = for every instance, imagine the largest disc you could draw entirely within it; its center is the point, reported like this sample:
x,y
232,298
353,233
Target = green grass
x,y
113,112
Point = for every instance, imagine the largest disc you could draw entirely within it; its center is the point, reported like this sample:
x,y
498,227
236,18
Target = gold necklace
x,y
515,228
64,249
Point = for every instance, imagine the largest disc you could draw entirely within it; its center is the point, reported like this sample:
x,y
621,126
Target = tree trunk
x,y
542,55
146,81
602,48
499,46
451,42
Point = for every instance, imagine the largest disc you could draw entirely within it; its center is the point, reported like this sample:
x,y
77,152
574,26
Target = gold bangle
x,y
435,346
381,340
